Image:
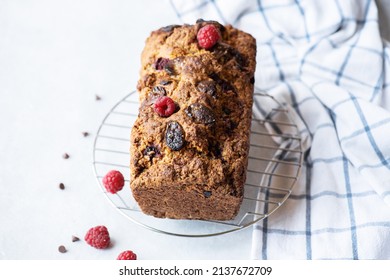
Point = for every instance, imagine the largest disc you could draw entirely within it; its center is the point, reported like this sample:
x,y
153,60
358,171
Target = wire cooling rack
x,y
275,159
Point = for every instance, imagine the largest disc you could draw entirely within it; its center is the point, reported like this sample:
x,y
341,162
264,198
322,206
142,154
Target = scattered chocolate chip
x,y
230,126
174,136
85,134
165,82
207,87
97,97
157,90
207,194
61,186
75,238
65,156
200,113
252,80
160,63
169,28
242,62
226,110
62,249
224,53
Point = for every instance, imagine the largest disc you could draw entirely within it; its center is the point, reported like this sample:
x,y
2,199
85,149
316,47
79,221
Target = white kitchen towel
x,y
325,59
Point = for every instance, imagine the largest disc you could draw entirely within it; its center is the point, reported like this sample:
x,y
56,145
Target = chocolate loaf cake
x,y
190,142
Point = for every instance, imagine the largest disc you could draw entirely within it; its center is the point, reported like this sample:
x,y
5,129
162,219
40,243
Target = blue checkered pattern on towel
x,y
325,59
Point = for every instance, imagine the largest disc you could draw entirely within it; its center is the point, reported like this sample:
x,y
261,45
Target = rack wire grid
x,y
275,159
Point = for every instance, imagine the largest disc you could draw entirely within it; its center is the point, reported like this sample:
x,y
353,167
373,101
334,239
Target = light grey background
x,y
54,57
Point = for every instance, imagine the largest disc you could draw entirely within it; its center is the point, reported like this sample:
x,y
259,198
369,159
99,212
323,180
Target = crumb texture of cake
x,y
188,160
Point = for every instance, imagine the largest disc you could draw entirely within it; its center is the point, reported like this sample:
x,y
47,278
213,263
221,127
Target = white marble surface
x,y
54,57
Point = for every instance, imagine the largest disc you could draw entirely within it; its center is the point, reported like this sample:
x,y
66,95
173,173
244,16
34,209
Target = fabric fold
x,y
326,61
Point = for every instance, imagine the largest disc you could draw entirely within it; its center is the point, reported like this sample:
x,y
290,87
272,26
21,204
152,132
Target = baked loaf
x,y
191,163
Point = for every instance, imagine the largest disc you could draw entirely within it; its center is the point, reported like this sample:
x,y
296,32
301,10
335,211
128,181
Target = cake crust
x,y
201,175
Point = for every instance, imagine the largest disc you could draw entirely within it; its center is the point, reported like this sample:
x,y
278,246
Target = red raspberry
x,y
208,36
113,181
164,106
127,255
98,237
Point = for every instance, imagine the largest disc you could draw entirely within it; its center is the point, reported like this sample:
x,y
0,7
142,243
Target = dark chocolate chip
x,y
165,82
207,194
62,249
61,186
230,126
215,150
200,113
252,80
151,151
207,87
65,156
97,97
158,90
85,134
225,86
216,23
75,238
242,62
226,110
169,28
224,53
174,136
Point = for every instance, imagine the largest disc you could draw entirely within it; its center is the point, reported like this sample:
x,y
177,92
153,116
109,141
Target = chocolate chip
x,y
61,186
169,28
151,151
97,97
62,249
207,87
65,156
224,53
157,90
75,238
207,194
165,82
200,113
85,134
252,80
174,136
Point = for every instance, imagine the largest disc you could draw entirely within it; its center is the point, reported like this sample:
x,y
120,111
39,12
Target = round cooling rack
x,y
275,159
